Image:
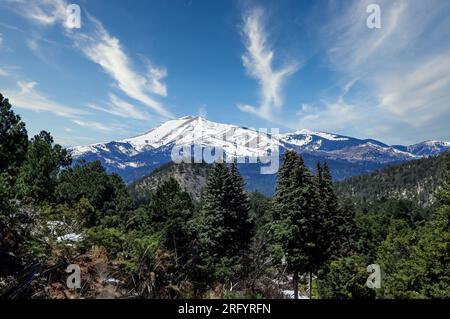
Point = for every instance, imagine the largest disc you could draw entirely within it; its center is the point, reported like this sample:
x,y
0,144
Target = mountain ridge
x,y
137,156
416,180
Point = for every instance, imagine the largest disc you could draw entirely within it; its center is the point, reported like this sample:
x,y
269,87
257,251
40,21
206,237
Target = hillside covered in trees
x,y
305,241
192,178
416,180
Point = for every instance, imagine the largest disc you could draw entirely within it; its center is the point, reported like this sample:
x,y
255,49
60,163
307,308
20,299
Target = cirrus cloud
x,y
27,96
100,47
258,62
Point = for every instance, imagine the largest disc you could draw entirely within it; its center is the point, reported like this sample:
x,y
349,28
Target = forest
x,y
416,180
304,242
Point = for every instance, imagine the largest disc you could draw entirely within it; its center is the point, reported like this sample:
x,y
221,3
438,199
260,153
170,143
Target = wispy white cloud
x,y
106,51
402,68
258,61
74,140
95,125
33,45
27,96
155,76
43,12
332,116
4,45
95,42
121,108
419,94
3,72
352,47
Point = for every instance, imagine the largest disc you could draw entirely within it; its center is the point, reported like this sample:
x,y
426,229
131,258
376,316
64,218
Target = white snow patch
x,y
289,294
70,237
327,136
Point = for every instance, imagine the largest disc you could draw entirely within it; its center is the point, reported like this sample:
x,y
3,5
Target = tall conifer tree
x,y
13,139
224,226
296,217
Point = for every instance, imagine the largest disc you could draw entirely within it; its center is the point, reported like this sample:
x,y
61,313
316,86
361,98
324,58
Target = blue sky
x,y
262,64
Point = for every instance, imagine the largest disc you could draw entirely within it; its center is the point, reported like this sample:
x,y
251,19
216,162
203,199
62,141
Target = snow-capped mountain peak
x,y
190,130
136,156
309,139
234,140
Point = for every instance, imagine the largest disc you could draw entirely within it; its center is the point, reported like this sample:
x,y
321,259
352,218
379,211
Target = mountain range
x,y
135,157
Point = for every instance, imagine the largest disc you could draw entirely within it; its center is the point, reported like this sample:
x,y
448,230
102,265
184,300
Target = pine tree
x,y
416,262
285,184
296,218
107,193
224,227
170,210
13,223
443,195
240,204
327,208
7,234
435,245
338,221
37,178
13,139
260,254
328,195
346,229
345,278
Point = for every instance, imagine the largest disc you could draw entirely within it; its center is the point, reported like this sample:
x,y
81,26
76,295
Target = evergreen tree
x,y
13,139
416,262
345,278
240,205
7,234
443,194
297,218
328,220
224,227
338,221
259,256
13,224
415,181
346,229
170,210
107,193
403,271
434,245
37,178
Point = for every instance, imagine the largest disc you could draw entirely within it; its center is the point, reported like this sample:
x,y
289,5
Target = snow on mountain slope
x,y
429,148
234,140
304,137
137,156
373,153
308,140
